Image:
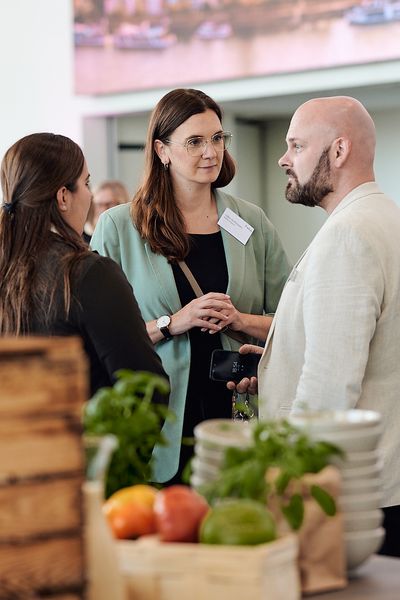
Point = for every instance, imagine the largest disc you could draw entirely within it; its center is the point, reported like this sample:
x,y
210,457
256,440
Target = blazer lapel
x,y
291,277
165,277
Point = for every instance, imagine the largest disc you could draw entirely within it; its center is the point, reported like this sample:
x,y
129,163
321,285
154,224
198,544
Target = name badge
x,y
236,226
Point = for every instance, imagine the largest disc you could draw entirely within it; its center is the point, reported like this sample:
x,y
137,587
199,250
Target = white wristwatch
x,y
163,324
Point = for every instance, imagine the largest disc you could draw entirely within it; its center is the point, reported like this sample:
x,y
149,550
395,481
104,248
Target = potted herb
x,y
127,410
279,457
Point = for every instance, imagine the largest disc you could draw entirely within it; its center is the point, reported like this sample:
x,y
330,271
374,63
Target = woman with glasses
x,y
174,222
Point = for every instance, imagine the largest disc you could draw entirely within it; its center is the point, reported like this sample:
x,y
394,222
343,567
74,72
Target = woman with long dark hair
x,y
50,282
179,218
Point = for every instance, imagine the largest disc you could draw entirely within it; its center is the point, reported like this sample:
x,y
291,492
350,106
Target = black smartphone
x,y
232,366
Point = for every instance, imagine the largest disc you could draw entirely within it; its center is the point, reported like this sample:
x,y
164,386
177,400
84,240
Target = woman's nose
x,y
209,150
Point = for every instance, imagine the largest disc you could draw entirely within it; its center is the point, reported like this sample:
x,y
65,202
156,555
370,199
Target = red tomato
x,y
179,511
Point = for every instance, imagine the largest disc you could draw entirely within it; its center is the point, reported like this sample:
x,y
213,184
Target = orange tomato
x,y
129,511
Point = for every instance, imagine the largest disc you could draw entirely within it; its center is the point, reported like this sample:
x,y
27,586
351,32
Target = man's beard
x,y
317,187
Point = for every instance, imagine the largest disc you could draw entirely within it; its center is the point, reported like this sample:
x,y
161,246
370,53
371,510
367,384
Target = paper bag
x,y
322,562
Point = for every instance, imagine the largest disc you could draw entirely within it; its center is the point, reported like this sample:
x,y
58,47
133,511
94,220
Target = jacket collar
x,y
362,190
234,253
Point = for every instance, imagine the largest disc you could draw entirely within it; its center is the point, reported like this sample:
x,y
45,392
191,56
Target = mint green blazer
x,y
257,273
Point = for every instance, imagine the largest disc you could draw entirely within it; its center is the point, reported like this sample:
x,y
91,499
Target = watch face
x,y
163,321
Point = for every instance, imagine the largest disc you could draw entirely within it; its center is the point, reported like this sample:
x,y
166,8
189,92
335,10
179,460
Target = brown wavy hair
x,y
154,211
32,171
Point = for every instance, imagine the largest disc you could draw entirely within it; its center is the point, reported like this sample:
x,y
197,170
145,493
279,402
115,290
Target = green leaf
x,y
282,481
294,511
325,500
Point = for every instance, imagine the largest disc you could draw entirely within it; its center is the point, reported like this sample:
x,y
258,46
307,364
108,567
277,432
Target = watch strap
x,y
166,333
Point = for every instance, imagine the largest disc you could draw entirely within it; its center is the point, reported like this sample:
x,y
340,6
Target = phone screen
x,y
233,366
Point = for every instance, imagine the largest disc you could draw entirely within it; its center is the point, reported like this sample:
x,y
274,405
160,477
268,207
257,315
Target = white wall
x,y
387,157
37,82
36,70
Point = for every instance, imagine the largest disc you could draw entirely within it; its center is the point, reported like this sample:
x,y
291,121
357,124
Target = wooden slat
x,y
14,589
49,564
40,508
43,385
42,375
39,447
63,596
51,346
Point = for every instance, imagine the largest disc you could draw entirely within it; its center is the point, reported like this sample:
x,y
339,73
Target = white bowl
x,y
366,438
211,455
360,545
358,459
197,481
361,486
204,469
362,520
370,471
358,502
220,433
336,420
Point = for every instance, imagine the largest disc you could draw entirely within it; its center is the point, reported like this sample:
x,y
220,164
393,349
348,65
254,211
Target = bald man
x,y
335,339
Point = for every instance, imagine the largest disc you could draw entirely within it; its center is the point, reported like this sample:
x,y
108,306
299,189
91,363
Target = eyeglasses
x,y
196,146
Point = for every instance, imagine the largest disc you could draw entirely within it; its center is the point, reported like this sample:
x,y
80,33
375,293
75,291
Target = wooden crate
x,y
43,384
155,570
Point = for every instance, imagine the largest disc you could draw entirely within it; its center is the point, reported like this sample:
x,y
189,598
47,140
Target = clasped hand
x,y
211,312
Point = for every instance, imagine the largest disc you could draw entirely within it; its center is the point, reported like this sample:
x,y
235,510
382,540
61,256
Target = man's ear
x,y
341,148
62,199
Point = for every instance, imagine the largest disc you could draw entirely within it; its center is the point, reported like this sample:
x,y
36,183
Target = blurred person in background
x,y
50,282
106,195
180,218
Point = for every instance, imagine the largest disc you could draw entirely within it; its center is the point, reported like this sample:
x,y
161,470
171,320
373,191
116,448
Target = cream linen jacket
x,y
335,339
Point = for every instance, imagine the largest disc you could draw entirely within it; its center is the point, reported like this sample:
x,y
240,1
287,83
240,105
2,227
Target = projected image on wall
x,y
127,45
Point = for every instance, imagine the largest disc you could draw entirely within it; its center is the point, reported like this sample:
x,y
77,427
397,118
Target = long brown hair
x,y
32,171
154,211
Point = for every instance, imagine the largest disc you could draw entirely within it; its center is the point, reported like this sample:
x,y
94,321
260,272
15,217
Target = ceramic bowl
x,y
364,439
336,420
370,471
211,455
362,520
360,545
220,433
358,502
363,485
204,469
196,481
358,459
